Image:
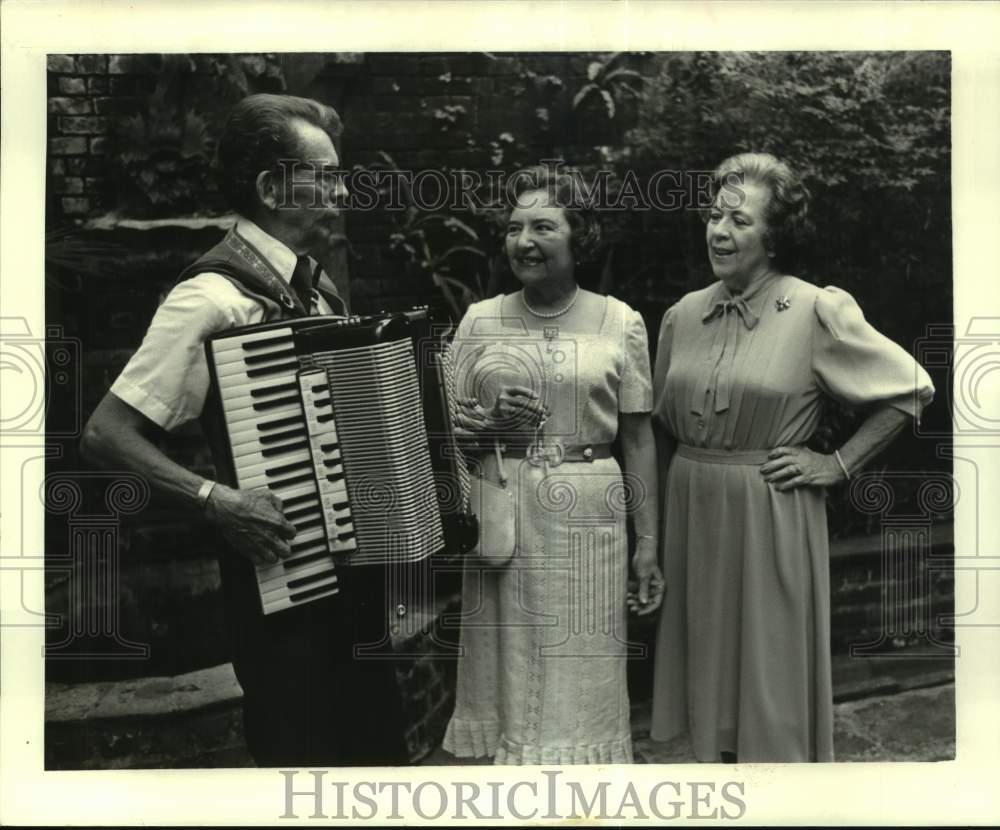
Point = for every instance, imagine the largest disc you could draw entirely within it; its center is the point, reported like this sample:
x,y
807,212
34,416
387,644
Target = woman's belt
x,y
748,458
555,453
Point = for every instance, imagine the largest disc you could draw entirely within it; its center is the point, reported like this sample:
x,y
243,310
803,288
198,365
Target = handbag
x,y
493,502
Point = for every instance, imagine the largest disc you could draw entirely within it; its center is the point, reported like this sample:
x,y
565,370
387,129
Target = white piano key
x,y
246,438
281,603
259,388
238,341
252,459
254,430
279,391
276,577
309,535
240,417
305,488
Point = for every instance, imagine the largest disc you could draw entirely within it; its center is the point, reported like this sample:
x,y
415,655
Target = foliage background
x,y
131,137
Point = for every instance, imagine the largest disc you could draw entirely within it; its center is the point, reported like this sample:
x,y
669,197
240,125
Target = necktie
x,y
302,282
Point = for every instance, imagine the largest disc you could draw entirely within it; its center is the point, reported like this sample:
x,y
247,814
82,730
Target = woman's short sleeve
x,y
857,365
465,348
635,393
662,362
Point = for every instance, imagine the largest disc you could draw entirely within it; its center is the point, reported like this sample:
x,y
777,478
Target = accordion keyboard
x,y
276,443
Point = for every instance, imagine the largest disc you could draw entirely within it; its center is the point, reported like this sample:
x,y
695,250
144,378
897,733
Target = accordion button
x,y
588,454
401,610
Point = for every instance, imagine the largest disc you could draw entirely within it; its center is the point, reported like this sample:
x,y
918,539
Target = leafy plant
x,y
164,151
71,255
437,246
609,81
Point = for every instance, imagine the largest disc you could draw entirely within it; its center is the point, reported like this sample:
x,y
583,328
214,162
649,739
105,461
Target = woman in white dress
x,y
552,374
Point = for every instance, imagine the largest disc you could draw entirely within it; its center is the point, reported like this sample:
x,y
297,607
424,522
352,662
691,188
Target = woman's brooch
x,y
782,303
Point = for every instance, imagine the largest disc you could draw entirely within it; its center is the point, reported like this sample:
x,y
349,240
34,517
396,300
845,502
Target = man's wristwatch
x,y
204,492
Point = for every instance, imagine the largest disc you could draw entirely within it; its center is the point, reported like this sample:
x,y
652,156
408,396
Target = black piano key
x,y
301,512
335,477
324,418
273,370
259,343
302,581
308,559
308,523
279,423
275,472
253,359
263,406
294,501
318,544
271,390
304,596
288,482
268,452
282,436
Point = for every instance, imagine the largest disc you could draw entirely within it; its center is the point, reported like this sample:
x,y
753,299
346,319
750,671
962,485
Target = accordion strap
x,y
239,262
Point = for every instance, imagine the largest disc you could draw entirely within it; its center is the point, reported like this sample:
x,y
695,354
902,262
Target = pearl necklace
x,y
548,315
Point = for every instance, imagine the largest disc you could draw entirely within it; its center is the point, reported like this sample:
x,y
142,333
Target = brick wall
x,y
85,93
429,111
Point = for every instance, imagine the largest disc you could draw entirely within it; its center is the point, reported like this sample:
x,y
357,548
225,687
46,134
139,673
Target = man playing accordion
x,y
307,699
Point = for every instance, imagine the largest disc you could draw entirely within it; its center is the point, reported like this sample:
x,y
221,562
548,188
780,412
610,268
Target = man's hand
x,y
252,522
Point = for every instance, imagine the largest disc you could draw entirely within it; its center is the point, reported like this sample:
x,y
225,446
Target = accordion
x,y
348,421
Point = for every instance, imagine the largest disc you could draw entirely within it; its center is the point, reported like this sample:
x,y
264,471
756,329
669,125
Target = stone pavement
x,y
914,725
886,709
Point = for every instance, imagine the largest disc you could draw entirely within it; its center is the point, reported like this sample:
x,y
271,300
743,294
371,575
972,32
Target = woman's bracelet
x,y
645,536
843,466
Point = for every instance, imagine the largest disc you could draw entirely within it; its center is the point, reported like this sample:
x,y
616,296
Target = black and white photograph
x,y
597,433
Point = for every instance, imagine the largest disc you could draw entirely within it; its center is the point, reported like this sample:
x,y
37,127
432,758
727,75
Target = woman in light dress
x,y
743,370
550,374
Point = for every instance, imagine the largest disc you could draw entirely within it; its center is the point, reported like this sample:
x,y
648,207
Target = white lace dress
x,y
543,675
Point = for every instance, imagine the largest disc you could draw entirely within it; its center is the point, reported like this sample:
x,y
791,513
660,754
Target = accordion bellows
x,y
348,422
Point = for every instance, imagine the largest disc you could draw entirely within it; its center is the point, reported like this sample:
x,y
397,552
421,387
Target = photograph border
x,y
955,792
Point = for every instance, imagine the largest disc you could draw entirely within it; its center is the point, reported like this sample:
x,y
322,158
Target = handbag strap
x,y
501,473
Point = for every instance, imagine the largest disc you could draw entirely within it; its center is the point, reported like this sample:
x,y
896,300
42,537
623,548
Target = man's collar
x,y
278,255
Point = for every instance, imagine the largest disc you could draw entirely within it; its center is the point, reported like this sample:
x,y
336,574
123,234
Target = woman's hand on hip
x,y
649,593
791,467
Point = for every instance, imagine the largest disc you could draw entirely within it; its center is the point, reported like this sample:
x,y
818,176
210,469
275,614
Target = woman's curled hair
x,y
787,216
566,189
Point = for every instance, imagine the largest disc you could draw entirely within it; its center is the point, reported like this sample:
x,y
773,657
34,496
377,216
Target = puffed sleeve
x,y
635,393
856,365
662,364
